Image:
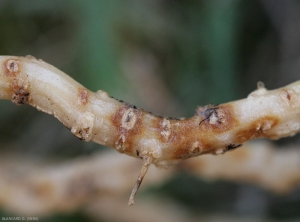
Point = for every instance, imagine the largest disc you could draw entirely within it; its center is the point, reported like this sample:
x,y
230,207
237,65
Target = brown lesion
x,y
217,119
127,120
19,88
20,92
193,137
258,128
189,148
186,138
83,96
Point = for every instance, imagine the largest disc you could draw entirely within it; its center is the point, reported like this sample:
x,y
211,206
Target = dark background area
x,y
166,56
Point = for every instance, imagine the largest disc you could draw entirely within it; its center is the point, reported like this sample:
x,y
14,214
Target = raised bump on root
x,y
84,126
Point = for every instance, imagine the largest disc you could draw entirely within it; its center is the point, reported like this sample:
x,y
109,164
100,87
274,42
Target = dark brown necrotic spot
x,y
20,92
20,97
232,146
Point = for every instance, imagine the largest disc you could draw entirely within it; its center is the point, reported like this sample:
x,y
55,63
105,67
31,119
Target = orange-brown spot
x,y
83,96
258,128
191,137
128,123
215,120
186,138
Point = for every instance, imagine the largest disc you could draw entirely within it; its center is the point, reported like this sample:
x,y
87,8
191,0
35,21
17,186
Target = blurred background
x,y
166,56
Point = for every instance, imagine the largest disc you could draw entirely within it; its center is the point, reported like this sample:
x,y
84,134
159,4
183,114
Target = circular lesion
x,y
289,97
12,67
128,119
217,118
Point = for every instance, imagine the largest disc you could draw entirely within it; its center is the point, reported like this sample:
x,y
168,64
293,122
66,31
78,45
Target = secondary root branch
x,y
146,163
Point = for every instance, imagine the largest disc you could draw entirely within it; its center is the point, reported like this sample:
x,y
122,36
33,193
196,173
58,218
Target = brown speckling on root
x,y
127,121
20,97
258,128
19,88
83,96
20,92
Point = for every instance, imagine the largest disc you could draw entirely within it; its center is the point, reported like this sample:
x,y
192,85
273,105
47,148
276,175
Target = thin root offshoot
x,y
146,163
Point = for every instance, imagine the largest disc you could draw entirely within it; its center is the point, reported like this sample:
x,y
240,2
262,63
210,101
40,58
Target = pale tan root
x,y
97,117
